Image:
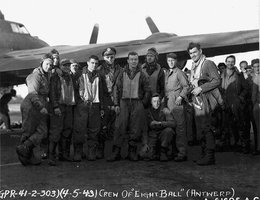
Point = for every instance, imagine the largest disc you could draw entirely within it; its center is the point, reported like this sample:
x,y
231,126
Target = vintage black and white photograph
x,y
129,99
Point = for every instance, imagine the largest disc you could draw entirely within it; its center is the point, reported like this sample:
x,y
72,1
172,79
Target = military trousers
x,y
129,122
34,124
87,123
61,126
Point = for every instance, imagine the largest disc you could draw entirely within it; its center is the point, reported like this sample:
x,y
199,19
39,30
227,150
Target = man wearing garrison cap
x,y
154,72
62,102
176,88
110,71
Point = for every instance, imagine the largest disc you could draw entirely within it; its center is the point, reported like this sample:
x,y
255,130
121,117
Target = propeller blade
x,y
2,15
94,34
151,24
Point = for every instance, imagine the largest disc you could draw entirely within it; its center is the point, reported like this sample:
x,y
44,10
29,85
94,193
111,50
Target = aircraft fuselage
x,y
14,36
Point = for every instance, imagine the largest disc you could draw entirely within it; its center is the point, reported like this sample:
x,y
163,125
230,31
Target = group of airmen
x,y
156,109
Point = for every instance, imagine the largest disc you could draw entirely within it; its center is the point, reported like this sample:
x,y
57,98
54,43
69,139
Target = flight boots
x,y
115,154
100,150
52,153
163,154
78,152
92,152
24,152
153,154
132,155
65,150
208,159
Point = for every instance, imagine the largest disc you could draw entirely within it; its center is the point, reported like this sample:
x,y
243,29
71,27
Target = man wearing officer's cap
x,y
109,51
62,100
176,88
110,70
154,72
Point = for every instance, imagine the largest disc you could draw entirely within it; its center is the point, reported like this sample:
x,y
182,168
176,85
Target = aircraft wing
x,y
16,65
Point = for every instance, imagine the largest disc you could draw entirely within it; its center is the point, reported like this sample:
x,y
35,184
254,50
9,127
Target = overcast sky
x,y
70,22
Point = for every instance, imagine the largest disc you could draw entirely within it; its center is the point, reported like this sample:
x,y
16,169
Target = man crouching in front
x,y
160,132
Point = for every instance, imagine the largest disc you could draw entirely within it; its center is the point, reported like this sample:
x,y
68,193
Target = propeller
x,y
2,15
151,24
94,34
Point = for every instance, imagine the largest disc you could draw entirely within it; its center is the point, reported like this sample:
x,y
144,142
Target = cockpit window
x,y
19,28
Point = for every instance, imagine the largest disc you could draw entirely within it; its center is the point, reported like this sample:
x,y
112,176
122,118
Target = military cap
x,y
152,51
54,51
109,51
155,94
65,61
171,55
72,61
46,56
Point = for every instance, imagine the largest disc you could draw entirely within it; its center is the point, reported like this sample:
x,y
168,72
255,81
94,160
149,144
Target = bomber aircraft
x,y
20,52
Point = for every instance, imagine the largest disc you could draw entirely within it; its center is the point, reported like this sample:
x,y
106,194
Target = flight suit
x,y
110,73
204,105
159,135
77,136
235,91
155,75
62,96
176,84
34,124
87,116
132,93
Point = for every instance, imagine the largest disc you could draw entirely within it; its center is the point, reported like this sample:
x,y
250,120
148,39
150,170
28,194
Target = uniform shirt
x,y
176,82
